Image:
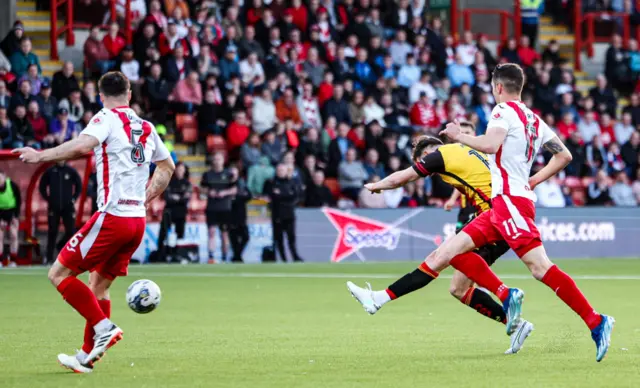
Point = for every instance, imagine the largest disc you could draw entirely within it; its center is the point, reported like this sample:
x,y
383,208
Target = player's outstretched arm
x,y
489,143
393,181
160,180
77,147
560,159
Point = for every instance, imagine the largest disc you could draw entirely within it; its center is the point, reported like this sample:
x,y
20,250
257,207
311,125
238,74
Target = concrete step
x,y
198,169
562,39
31,26
51,65
33,15
553,29
546,21
49,73
585,84
26,5
194,159
42,53
181,149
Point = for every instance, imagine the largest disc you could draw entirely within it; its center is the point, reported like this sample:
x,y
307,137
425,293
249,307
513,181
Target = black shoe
x,y
298,259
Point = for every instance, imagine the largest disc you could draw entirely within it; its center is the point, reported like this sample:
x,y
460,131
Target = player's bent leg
x,y
567,290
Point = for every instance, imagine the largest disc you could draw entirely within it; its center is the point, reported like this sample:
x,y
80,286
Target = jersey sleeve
x,y
160,152
98,127
432,163
499,118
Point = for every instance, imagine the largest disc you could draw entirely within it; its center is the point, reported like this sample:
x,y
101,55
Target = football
x,y
143,296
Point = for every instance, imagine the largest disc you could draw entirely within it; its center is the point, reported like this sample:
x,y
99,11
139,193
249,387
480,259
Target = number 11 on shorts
x,y
510,228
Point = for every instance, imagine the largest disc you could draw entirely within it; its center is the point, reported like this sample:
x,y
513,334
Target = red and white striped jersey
x,y
128,144
511,165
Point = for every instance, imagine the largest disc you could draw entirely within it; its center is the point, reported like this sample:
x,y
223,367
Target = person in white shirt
x,y
467,50
372,111
623,129
424,85
550,194
308,107
263,112
251,71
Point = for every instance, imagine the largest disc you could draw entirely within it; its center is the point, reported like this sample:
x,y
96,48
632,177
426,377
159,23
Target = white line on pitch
x,y
284,275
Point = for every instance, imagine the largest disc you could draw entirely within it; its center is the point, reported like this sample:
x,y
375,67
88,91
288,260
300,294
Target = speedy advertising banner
x,y
333,235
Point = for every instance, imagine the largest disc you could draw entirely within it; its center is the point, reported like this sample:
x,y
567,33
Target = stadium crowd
x,y
334,90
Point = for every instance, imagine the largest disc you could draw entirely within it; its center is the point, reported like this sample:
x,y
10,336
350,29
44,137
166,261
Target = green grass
x,y
297,326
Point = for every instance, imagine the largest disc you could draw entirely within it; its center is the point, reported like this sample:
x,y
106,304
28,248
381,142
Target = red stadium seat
x,y
190,135
216,143
573,183
185,120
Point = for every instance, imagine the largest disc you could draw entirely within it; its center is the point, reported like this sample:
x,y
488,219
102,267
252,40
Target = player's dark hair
x,y
422,142
113,84
510,76
468,124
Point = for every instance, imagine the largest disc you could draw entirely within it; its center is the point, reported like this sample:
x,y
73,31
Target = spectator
x,y
423,115
596,155
21,129
603,96
308,107
338,149
552,53
258,174
510,51
337,106
392,198
313,67
10,208
251,72
370,200
526,53
33,78
607,135
286,109
73,105
598,191
62,128
630,151
489,58
373,112
372,164
156,89
169,40
263,112
588,126
616,63
575,145
351,175
467,49
310,145
20,60
399,48
356,107
6,129
229,66
23,95
209,121
614,159
90,98
250,151
550,194
249,44
64,81
634,108
636,186
238,131
96,55
37,122
187,95
272,147
544,97
176,66
130,67
424,85
156,16
11,43
621,192
5,97
113,41
48,103
409,73
623,129
317,193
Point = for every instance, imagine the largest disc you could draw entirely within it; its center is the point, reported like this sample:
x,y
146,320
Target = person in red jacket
x,y
113,41
300,15
238,131
254,14
526,53
608,135
567,126
325,90
423,115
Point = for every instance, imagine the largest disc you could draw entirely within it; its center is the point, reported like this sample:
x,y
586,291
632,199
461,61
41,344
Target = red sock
x,y
476,269
87,346
568,291
80,297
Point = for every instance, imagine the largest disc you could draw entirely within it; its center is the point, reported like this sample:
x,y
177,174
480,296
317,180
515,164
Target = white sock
x,y
81,356
381,297
102,326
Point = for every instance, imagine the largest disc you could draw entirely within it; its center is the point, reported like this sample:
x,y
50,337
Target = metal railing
x,y
70,24
504,15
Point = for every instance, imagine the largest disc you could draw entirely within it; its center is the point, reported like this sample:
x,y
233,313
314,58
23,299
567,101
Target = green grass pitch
x,y
297,326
